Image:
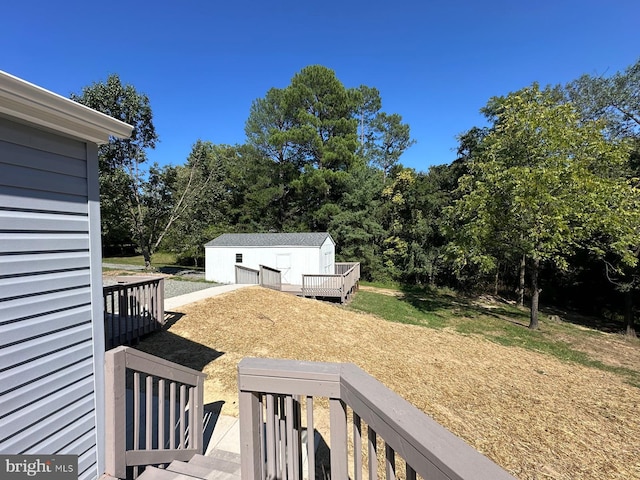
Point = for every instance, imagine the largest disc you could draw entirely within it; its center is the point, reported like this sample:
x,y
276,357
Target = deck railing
x,y
273,394
270,278
344,267
351,276
342,284
154,412
132,308
266,276
247,276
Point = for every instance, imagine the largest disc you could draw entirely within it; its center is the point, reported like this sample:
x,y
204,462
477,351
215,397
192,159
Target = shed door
x,y
327,267
283,263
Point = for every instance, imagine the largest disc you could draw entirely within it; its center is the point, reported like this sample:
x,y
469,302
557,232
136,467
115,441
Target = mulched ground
x,y
536,416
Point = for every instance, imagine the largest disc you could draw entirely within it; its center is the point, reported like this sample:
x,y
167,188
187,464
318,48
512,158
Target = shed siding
x,y
47,379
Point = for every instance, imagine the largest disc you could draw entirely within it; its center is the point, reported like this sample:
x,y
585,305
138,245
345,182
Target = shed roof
x,y
313,239
29,103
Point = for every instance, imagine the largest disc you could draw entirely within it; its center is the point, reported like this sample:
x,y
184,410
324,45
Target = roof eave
x,y
35,105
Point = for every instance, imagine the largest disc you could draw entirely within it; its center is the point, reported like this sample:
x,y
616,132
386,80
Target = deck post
x,y
250,458
338,426
115,413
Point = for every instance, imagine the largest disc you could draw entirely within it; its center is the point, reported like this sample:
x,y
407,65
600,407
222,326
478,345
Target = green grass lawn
x,y
160,259
498,322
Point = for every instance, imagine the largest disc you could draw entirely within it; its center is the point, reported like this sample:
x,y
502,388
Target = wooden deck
x,y
292,289
277,399
341,285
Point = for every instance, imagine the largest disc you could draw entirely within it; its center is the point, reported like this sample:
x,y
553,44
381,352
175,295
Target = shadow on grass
x,y
170,318
457,307
428,299
178,270
600,323
431,301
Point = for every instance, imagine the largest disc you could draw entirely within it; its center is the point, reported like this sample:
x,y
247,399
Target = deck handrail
x,y
154,411
133,307
343,267
247,276
271,392
270,278
351,277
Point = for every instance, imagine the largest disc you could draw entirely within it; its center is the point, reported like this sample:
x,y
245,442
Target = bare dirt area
x,y
609,348
381,291
536,416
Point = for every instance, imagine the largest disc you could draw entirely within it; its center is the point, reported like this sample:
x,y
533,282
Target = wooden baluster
x,y
357,447
193,441
161,412
293,439
183,406
148,440
271,438
373,453
281,438
411,473
311,439
172,416
136,416
390,462
297,431
263,451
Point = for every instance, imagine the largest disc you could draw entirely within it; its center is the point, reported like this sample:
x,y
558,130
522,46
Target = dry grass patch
x,y
616,350
536,416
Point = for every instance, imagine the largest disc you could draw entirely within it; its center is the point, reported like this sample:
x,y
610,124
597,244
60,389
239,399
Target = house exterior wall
x,y
51,329
220,262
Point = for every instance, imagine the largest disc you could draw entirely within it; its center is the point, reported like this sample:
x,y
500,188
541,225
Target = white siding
x,y
47,371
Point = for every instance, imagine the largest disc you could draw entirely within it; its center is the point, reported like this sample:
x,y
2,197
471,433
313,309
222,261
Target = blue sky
x,y
202,62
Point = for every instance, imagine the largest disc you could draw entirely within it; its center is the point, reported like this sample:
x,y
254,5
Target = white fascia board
x,y
28,102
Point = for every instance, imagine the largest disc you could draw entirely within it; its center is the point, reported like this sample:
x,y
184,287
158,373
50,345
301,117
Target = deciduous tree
x,y
121,161
541,186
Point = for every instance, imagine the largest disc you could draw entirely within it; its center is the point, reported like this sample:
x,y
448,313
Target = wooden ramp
x,y
218,465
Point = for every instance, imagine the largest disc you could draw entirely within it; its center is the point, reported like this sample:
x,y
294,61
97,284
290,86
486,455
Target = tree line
x,y
545,196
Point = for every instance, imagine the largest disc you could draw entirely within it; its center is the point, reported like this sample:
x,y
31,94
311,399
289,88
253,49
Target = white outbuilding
x,y
294,254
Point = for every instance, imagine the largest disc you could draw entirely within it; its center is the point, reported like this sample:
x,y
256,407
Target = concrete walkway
x,y
225,435
226,438
170,304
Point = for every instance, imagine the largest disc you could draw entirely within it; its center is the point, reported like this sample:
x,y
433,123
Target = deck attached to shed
x,y
341,285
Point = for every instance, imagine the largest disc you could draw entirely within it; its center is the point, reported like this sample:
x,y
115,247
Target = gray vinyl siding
x,y
47,350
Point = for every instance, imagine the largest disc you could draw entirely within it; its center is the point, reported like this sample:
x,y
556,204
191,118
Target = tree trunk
x,y
628,313
147,258
496,280
523,264
535,295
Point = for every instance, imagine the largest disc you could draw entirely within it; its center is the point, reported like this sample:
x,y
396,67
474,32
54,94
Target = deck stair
x,y
218,465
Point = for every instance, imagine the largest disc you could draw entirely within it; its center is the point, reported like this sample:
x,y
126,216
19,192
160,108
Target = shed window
x,y
238,258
